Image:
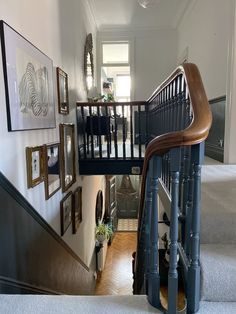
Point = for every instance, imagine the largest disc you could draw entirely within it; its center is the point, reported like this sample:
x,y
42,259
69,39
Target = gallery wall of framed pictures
x,y
30,105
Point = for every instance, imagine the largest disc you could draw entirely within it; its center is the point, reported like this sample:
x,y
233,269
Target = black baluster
x,y
99,131
91,131
131,132
139,131
124,130
115,134
84,131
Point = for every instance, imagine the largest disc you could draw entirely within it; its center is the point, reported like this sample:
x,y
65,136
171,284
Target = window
x,y
115,71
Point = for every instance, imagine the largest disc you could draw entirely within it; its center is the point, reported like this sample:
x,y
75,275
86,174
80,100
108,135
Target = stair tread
x,y
218,272
19,304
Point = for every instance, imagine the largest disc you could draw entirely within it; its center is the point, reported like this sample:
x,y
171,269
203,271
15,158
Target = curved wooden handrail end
x,y
195,133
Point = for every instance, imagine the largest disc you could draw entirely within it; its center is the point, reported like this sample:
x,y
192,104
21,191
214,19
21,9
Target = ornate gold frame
x,y
34,179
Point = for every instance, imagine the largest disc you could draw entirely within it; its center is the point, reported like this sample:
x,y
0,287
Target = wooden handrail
x,y
195,133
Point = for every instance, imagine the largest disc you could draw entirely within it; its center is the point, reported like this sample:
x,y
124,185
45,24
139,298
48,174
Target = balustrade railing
x,y
178,122
112,130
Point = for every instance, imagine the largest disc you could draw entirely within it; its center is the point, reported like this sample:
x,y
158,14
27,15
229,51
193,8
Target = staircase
x,y
172,125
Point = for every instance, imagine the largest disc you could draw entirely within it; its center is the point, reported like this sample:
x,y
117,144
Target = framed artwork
x,y
28,76
67,139
52,169
66,209
34,165
77,209
62,91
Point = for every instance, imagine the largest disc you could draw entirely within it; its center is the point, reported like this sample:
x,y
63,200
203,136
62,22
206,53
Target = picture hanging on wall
x,y
28,76
34,165
52,169
62,91
66,208
67,140
77,209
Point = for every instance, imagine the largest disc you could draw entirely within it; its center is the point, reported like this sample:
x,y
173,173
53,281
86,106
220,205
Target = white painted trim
x,y
230,88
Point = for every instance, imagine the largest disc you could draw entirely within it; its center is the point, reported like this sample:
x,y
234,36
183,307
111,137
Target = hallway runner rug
x,y
127,225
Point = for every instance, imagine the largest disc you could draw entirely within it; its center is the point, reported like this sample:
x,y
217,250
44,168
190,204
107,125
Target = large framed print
x,y
28,76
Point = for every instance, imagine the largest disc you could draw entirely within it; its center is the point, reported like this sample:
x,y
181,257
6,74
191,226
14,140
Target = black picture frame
x,y
66,205
28,78
77,209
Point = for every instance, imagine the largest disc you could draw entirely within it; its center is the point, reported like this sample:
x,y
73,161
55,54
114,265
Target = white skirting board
x,y
101,257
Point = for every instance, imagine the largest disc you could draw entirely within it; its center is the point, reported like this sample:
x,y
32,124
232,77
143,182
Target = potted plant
x,y
103,232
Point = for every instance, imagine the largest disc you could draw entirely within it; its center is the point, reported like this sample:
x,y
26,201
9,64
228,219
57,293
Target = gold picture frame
x,y
67,140
52,171
62,91
34,165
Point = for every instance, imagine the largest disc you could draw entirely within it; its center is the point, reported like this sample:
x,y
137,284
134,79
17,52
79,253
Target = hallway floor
x,y
116,278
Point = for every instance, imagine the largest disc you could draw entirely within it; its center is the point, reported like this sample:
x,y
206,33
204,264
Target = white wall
x,y
59,29
205,30
153,56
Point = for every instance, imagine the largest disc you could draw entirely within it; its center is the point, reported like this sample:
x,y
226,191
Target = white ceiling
x,y
129,14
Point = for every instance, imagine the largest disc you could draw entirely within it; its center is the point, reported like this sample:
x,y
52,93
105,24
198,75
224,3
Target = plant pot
x,y
101,238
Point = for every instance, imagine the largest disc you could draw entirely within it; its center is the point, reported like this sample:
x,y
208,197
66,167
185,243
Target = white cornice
x,y
131,29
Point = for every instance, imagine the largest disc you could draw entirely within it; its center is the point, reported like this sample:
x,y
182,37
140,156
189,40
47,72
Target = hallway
x,y
116,278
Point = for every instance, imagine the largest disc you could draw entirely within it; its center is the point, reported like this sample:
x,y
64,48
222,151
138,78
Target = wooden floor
x,y
117,278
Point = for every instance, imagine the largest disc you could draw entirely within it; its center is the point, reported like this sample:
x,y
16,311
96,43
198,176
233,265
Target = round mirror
x,y
88,62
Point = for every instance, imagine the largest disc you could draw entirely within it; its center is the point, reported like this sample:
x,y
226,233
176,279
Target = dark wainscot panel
x,y
34,259
215,140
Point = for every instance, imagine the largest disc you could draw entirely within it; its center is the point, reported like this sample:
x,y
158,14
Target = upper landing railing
x,y
179,119
112,132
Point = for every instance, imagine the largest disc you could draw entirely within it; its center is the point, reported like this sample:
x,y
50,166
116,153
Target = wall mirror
x,y
52,169
67,139
88,62
99,206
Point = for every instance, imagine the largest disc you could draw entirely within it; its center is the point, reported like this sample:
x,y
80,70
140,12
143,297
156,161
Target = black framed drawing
x,y
52,169
28,76
62,91
66,208
67,139
77,209
34,165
